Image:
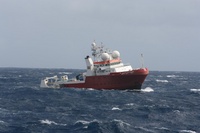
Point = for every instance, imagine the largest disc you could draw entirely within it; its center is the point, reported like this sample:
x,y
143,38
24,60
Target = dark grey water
x,y
168,102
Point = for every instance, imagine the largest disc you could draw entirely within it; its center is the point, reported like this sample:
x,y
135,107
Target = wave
x,y
90,89
121,123
187,131
99,126
89,125
172,76
85,124
89,122
195,90
3,122
162,128
82,122
144,129
116,108
162,81
147,89
130,104
48,122
64,73
1,77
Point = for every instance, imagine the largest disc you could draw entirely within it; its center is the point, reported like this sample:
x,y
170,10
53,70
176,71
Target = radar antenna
x,y
97,50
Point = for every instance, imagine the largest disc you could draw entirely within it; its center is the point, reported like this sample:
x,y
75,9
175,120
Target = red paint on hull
x,y
119,80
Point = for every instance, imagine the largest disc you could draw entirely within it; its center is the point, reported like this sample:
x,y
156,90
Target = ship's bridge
x,y
107,67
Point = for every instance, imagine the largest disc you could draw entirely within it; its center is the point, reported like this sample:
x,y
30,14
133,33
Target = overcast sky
x,y
59,33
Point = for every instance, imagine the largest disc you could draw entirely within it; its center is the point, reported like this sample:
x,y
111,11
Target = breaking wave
x,y
83,122
116,108
88,124
48,122
162,81
195,90
172,76
2,122
147,89
130,104
187,131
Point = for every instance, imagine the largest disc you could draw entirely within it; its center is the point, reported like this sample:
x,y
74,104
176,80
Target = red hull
x,y
120,80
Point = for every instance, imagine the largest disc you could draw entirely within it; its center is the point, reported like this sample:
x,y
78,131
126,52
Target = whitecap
x,y
130,104
90,89
116,108
121,123
2,122
176,111
82,122
171,76
147,89
162,128
48,122
145,129
86,122
187,131
195,90
162,81
64,73
87,89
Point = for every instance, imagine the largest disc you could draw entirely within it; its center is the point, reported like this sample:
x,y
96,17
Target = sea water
x,y
167,102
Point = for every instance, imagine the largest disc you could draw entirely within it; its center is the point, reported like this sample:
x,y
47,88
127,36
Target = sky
x,y
59,33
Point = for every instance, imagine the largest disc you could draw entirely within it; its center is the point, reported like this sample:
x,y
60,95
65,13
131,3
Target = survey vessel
x,y
104,71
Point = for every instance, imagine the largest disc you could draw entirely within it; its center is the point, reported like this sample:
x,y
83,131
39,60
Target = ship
x,y
104,71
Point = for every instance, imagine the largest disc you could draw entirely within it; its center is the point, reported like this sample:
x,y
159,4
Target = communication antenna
x,y
142,60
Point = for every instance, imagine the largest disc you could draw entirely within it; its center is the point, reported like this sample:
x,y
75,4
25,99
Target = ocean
x,y
169,102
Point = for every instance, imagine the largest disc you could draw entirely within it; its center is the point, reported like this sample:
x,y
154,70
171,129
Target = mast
x,y
97,51
142,60
94,50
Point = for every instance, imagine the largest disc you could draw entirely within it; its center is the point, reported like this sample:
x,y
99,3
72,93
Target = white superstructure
x,y
105,62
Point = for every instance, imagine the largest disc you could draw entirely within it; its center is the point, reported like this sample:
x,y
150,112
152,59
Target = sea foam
x,y
195,90
48,122
147,89
187,131
116,108
171,76
162,81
